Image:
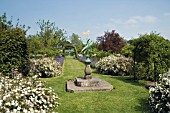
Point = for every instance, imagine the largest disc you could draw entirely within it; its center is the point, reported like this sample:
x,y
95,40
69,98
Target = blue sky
x,y
128,17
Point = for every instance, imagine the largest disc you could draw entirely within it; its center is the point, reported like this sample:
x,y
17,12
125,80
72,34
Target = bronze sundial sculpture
x,y
87,70
87,83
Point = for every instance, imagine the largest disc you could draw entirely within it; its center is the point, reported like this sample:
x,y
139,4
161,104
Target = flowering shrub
x,y
26,95
45,67
159,96
115,65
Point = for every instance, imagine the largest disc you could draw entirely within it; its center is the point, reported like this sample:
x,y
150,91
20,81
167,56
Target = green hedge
x,y
13,51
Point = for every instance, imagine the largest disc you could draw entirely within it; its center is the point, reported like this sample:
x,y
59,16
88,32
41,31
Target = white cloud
x,y
139,19
166,14
117,21
134,20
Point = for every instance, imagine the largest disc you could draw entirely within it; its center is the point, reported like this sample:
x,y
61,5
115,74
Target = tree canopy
x,y
111,41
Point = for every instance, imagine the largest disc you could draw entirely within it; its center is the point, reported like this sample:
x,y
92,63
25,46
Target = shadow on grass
x,y
144,106
127,79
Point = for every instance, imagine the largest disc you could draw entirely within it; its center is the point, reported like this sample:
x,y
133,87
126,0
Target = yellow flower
x,y
85,33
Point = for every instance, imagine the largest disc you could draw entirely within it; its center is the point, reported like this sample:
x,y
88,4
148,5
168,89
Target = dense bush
x,y
159,97
115,65
45,67
101,54
127,51
26,95
153,51
13,48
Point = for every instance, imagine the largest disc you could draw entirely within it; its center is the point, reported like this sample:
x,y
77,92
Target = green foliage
x,y
154,51
45,67
76,41
159,96
13,48
115,65
48,42
34,44
127,51
69,47
50,35
101,54
26,95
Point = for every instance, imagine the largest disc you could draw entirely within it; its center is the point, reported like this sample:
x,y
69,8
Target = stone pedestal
x,y
82,82
87,69
83,85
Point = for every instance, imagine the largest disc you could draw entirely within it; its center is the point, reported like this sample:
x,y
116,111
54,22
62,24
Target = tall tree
x,y
111,41
49,34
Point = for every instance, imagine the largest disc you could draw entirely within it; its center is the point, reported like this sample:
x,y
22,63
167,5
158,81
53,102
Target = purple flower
x,y
60,59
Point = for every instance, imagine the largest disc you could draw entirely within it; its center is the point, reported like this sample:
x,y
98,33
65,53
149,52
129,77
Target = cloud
x,y
134,20
117,21
166,14
138,19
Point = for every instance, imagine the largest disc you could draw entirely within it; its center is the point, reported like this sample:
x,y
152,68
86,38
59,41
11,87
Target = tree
x,y
34,44
13,47
152,53
111,41
76,41
127,51
50,35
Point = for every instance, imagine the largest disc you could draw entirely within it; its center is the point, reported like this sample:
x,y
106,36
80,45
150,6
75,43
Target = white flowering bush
x,y
114,64
45,67
26,95
159,96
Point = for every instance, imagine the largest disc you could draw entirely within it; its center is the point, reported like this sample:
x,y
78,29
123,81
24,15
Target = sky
x,y
129,18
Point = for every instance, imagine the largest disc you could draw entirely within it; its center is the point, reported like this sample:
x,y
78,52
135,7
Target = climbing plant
x,y
68,46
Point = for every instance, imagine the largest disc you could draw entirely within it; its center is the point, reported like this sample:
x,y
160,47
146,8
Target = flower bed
x,y
45,67
60,60
26,95
114,65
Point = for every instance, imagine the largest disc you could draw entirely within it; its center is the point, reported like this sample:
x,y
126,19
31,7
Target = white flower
x,y
18,108
4,98
31,109
14,110
25,110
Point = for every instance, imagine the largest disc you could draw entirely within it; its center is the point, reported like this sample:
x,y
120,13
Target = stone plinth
x,y
81,84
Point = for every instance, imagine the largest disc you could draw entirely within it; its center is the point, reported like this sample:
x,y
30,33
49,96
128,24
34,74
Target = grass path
x,y
127,97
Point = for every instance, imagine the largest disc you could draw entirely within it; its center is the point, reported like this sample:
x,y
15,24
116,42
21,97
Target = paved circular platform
x,y
96,84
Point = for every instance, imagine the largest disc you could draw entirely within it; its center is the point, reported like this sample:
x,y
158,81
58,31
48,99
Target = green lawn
x,y
127,97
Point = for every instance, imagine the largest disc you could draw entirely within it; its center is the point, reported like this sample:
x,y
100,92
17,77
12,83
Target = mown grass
x,y
127,97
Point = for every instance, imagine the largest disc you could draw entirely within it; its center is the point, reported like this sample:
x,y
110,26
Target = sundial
x,y
87,82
